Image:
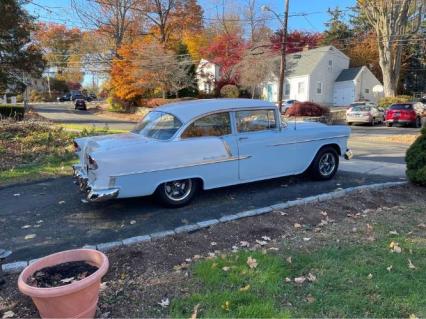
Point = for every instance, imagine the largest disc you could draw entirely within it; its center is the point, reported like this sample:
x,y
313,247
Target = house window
x,y
367,91
330,65
319,87
287,88
301,88
218,124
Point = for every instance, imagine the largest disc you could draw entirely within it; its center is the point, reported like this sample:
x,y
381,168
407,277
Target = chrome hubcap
x,y
178,190
327,164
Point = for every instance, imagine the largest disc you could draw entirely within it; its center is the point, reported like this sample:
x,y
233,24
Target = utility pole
x,y
283,57
283,50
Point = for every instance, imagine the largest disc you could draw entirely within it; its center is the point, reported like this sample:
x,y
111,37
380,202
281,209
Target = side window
x,y
256,120
217,124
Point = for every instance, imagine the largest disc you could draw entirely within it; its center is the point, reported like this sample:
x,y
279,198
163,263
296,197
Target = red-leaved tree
x,y
296,40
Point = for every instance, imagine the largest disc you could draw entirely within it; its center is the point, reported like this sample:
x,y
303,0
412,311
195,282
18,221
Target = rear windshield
x,y
407,107
361,108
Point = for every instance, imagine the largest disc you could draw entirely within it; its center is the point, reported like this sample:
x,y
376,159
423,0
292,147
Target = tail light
x,y
76,147
92,163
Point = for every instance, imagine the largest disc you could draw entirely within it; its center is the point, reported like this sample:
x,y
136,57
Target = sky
x,y
60,11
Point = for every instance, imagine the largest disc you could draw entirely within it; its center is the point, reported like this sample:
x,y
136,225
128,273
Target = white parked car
x,y
365,113
180,148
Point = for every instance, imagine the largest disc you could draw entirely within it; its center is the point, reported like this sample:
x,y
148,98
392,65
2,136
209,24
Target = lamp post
x,y
284,24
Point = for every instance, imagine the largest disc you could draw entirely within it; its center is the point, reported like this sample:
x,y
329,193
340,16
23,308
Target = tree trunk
x,y
253,90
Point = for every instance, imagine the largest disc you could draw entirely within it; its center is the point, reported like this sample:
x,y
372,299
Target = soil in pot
x,y
61,275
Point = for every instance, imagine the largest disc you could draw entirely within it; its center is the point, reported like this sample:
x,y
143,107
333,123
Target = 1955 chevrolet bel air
x,y
180,148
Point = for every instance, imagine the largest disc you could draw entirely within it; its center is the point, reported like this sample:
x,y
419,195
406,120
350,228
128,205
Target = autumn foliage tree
x,y
296,41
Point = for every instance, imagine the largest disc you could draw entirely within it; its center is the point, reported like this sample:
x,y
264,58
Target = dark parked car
x,y
80,104
64,98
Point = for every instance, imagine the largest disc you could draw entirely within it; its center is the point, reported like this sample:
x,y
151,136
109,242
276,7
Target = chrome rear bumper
x,y
92,195
348,154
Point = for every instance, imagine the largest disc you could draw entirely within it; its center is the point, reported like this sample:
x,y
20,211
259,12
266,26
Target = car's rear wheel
x,y
325,164
418,122
177,193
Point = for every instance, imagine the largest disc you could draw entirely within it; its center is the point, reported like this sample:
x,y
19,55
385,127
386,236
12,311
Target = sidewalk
x,y
373,167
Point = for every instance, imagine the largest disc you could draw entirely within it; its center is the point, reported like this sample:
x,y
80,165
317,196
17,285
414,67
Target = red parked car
x,y
409,113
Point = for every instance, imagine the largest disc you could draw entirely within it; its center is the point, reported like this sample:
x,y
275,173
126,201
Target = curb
x,y
18,266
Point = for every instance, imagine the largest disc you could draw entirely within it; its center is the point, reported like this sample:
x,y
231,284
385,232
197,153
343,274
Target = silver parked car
x,y
364,113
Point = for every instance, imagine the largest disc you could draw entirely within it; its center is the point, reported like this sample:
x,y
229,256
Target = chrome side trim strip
x,y
307,141
230,159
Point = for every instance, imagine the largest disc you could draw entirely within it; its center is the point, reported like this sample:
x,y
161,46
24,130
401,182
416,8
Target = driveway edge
x,y
18,266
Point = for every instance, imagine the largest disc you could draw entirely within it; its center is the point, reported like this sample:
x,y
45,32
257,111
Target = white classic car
x,y
180,148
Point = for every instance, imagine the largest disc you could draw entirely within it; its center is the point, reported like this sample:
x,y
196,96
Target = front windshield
x,y
158,125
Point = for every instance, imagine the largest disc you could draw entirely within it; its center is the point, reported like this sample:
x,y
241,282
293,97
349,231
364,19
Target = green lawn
x,y
352,280
32,150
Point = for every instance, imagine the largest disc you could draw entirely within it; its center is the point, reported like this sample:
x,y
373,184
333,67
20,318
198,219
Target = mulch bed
x,y
141,276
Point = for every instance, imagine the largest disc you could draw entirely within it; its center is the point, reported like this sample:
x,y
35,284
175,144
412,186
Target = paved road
x,y
54,213
65,113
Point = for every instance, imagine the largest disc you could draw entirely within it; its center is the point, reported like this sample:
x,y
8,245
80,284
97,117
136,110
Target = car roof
x,y
187,110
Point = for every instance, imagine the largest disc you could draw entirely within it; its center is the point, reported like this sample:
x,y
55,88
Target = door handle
x,y
243,138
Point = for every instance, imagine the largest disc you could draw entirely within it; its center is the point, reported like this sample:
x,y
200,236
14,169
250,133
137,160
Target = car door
x,y
257,131
217,125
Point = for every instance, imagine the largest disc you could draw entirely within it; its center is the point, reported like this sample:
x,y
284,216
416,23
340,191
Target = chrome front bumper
x,y
92,195
348,154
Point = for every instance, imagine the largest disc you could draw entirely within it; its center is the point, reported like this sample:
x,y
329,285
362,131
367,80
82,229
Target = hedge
x,y
14,111
388,101
416,160
307,109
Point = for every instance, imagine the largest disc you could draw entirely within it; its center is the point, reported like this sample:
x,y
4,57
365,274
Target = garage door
x,y
343,95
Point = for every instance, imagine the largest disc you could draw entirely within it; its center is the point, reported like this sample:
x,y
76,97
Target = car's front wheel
x,y
177,193
418,122
325,164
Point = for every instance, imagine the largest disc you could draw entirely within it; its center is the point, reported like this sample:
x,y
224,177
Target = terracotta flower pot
x,y
76,300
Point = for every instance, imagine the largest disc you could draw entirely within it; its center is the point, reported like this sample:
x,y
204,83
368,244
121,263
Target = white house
x,y
207,74
323,76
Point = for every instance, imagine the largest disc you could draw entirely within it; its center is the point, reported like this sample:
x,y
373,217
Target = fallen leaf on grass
x,y
283,214
84,201
251,262
195,311
266,238
300,280
306,238
274,248
422,225
413,316
389,268
8,314
289,259
213,243
297,225
225,306
393,232
370,276
245,288
310,299
61,202
226,268
26,226
16,195
31,236
394,246
369,228
164,303
287,279
132,222
410,264
311,277
103,287
323,213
